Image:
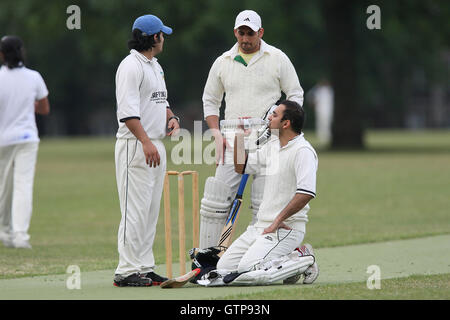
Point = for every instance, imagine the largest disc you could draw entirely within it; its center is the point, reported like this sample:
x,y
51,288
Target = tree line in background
x,y
378,75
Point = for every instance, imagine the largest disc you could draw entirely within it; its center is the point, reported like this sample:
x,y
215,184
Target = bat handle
x,y
242,185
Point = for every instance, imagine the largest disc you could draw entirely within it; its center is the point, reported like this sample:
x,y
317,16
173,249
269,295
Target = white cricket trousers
x,y
17,168
253,247
324,119
140,188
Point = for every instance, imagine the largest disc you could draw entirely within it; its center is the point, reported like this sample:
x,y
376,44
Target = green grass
x,y
396,189
409,288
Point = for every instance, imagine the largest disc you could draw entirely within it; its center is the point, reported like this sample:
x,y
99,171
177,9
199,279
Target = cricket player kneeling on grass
x,y
275,270
282,215
262,273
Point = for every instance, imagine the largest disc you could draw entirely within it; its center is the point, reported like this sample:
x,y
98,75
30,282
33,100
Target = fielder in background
x,y
321,97
252,75
144,117
266,252
22,94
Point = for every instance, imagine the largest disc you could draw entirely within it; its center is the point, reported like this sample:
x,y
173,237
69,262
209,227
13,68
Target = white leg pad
x,y
213,211
257,196
278,270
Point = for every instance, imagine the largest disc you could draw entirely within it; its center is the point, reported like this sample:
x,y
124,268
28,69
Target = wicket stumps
x,y
181,218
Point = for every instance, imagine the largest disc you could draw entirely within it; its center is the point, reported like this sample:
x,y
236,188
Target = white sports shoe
x,y
20,244
5,238
23,244
312,272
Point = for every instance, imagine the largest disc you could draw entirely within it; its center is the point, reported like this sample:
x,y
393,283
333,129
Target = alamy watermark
x,y
74,279
74,20
374,280
190,147
374,20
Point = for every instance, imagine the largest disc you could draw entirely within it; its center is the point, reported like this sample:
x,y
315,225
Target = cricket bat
x,y
181,280
226,236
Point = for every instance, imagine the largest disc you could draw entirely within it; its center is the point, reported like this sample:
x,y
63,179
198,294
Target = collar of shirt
x,y
142,57
294,140
234,51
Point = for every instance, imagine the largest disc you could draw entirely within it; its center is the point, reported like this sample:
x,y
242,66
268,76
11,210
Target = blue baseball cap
x,y
150,24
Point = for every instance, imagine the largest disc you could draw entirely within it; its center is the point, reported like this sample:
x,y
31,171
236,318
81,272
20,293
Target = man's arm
x,y
42,106
213,123
221,143
297,203
213,95
212,100
173,125
151,153
289,82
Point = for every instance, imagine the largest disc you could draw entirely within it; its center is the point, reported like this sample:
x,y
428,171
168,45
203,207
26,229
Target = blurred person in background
x,y
321,96
22,94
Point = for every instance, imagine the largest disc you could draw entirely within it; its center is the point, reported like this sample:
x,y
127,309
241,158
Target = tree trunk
x,y
340,26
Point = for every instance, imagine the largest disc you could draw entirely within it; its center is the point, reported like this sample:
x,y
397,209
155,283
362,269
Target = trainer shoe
x,y
4,236
17,244
7,241
133,280
312,272
155,278
21,244
304,250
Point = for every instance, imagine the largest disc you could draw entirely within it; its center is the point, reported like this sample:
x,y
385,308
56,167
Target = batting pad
x,y
279,270
257,196
213,211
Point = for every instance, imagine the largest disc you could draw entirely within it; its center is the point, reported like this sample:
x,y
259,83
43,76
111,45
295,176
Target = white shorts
x,y
253,247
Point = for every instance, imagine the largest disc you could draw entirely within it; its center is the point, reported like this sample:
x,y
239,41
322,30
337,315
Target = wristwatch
x,y
174,117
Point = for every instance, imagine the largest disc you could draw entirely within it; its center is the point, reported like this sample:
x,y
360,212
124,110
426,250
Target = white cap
x,y
248,18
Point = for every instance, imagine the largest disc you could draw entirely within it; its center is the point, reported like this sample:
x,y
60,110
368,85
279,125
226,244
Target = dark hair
x,y
13,51
294,113
141,41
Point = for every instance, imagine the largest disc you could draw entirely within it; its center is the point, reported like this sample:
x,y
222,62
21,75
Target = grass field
x,y
396,189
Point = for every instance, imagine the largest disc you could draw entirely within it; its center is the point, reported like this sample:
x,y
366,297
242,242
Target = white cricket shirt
x,y
141,93
287,170
250,90
19,89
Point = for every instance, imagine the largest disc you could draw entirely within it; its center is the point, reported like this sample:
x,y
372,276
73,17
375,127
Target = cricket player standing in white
x,y
252,75
322,97
265,252
144,117
22,94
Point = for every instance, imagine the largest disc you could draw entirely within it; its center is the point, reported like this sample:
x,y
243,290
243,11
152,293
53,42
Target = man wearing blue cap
x,y
144,117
